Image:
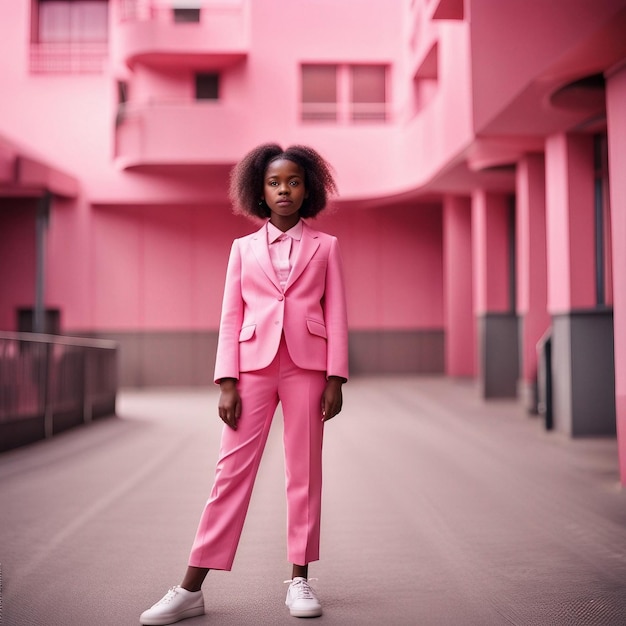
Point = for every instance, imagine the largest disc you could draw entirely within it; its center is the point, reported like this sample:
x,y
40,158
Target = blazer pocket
x,y
247,332
316,328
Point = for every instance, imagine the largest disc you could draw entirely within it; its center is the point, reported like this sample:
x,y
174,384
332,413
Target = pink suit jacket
x,y
311,311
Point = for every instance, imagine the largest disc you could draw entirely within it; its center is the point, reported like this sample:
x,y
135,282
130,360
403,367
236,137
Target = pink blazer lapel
x,y
262,253
308,246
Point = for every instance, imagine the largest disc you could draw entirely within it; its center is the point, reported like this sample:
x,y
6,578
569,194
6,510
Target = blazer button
x,y
281,297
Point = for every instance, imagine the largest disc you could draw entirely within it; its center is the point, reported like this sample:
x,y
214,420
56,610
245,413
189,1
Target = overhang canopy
x,y
23,173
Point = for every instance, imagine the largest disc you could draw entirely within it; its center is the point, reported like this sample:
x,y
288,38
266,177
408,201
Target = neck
x,y
284,223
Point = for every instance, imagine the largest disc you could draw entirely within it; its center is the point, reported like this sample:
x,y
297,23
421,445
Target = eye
x,y
272,183
294,183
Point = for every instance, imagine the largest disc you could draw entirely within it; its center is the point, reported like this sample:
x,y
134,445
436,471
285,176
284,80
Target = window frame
x,y
345,109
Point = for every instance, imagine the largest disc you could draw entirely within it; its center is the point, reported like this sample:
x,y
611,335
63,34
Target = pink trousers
x,y
300,393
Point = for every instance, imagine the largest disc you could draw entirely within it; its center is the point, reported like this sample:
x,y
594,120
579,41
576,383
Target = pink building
x,y
478,146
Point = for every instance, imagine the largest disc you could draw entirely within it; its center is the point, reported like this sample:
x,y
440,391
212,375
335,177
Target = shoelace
x,y
301,588
168,597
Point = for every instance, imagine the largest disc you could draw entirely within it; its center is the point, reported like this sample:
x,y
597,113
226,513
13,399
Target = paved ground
x,y
440,509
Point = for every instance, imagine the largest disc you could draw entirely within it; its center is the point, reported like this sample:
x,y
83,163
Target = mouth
x,y
284,202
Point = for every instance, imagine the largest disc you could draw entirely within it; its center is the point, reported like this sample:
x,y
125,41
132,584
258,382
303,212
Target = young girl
x,y
283,338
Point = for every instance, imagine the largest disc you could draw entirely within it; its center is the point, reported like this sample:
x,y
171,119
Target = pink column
x,y
583,388
497,323
490,215
570,222
460,345
531,268
616,120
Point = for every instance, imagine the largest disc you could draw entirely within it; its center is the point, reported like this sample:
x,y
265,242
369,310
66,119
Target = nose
x,y
284,189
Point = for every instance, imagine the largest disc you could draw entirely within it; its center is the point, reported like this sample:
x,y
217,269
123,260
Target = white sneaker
x,y
176,604
301,599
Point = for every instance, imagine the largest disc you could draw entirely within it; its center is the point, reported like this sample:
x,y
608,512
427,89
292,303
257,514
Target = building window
x,y
69,35
186,16
122,99
207,86
319,92
69,21
344,93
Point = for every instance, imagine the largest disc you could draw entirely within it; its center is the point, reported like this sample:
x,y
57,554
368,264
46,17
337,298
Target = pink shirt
x,y
283,247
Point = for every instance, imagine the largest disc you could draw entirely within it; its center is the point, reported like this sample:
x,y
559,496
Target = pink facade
x,y
478,165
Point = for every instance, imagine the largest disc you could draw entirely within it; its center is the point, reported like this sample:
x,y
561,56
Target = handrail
x,y
68,340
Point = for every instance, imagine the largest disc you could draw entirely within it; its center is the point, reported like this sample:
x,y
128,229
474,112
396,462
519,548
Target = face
x,y
284,191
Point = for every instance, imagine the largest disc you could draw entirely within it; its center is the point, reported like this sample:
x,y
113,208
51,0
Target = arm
x,y
336,317
227,358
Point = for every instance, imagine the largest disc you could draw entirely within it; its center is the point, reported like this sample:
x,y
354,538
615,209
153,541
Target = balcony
x,y
195,33
179,132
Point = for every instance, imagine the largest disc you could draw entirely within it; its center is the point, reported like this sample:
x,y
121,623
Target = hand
x,y
229,405
332,398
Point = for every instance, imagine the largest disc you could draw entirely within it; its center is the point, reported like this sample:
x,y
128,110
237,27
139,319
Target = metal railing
x,y
68,57
343,112
50,383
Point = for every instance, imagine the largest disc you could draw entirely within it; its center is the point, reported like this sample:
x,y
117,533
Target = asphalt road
x,y
439,509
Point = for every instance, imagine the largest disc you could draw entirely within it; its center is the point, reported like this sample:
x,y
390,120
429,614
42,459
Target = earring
x,y
261,202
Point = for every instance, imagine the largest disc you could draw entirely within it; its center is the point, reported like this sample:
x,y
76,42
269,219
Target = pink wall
x,y
174,262
69,284
394,265
162,267
17,258
616,118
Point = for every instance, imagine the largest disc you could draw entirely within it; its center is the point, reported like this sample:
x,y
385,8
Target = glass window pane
x,y
319,92
78,20
186,16
90,21
54,21
207,86
369,92
368,83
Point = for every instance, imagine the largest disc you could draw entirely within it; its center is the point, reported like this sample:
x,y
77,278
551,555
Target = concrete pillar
x,y
494,295
582,335
530,232
616,126
41,228
460,343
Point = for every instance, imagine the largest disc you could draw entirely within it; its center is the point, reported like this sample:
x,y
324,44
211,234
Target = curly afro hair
x,y
247,179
